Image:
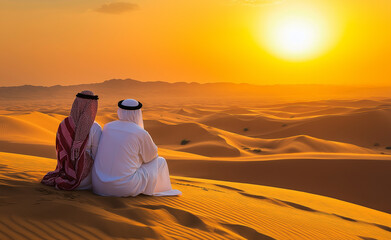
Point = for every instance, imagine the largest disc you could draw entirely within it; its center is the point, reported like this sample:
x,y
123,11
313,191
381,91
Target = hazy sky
x,y
49,42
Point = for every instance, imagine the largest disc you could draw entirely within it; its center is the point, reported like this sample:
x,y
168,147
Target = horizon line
x,y
201,83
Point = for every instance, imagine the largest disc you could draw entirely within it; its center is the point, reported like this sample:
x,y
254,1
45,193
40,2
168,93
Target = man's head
x,y
130,110
83,114
84,103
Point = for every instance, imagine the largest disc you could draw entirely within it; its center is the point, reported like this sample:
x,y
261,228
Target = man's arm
x,y
148,149
97,132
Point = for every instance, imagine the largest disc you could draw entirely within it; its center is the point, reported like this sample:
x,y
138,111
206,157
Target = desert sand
x,y
295,170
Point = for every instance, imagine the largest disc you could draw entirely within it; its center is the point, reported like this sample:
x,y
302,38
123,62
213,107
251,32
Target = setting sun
x,y
296,35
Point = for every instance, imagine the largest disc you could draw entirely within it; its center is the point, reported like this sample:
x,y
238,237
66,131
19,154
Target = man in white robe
x,y
127,161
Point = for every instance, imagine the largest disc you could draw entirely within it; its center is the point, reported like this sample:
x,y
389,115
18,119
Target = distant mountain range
x,y
181,92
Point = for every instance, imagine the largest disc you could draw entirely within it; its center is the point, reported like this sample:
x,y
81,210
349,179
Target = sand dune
x,y
249,126
295,144
327,111
40,119
361,103
205,210
193,112
237,110
28,128
321,147
274,114
229,135
298,108
348,102
167,117
305,143
360,181
41,150
189,137
365,129
210,149
173,134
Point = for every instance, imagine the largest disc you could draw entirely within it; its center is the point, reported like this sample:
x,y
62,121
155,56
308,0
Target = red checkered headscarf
x,y
83,114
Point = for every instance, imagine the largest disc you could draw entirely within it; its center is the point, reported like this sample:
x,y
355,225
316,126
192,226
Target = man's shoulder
x,y
111,124
125,126
96,127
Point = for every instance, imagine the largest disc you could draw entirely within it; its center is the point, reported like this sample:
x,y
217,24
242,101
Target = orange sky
x,y
46,42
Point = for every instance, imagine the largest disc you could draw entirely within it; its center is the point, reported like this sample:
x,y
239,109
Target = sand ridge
x,y
268,213
211,132
339,149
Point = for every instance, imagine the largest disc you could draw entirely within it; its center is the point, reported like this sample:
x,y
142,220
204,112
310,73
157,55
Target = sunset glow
x,y
297,33
295,39
195,119
265,42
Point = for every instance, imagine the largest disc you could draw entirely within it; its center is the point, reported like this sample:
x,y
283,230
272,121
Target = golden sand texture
x,y
231,131
339,149
208,209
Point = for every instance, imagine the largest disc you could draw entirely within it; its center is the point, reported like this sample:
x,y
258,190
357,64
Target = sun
x,y
296,35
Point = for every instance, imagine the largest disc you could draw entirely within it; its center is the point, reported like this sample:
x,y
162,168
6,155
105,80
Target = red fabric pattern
x,y
67,175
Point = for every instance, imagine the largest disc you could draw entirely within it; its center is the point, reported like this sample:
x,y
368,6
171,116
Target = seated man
x,y
76,145
127,162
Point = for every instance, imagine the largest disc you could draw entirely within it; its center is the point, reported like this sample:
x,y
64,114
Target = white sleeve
x,y
97,132
148,149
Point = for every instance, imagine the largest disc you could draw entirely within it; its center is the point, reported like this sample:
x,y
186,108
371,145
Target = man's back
x,y
123,147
